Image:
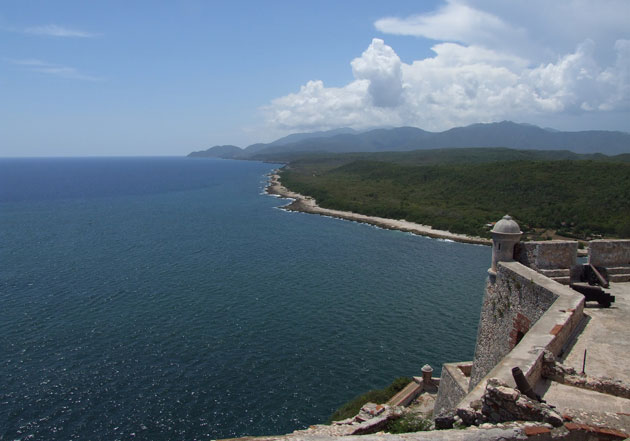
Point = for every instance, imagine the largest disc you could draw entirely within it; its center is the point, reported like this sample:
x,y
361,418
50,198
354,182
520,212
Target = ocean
x,y
171,299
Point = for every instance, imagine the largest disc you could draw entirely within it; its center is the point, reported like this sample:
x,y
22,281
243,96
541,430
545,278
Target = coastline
x,y
307,204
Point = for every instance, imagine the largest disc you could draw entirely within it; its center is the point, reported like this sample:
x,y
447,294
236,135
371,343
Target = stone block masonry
x,y
547,255
453,386
609,253
562,312
512,303
519,329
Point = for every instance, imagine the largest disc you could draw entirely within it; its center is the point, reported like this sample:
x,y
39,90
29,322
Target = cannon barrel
x,y
522,384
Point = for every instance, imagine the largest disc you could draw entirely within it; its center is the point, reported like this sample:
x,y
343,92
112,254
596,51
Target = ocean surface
x,y
169,299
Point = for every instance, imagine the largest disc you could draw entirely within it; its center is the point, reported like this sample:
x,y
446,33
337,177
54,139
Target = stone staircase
x,y
619,273
615,274
559,275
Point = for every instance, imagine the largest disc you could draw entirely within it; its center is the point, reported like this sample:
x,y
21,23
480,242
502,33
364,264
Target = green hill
x,y
461,191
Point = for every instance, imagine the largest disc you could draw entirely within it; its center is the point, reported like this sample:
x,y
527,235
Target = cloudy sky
x,y
166,77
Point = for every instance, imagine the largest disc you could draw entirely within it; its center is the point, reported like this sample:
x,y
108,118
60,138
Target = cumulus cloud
x,y
381,67
459,85
482,70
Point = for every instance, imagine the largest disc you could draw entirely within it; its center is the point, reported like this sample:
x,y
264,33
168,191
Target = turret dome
x,y
507,225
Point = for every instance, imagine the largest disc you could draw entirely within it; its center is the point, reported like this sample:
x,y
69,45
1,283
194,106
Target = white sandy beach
x,y
307,204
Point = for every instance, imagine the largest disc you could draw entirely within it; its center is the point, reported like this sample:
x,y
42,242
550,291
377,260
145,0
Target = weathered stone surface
x,y
453,386
369,411
470,417
536,430
547,255
567,375
503,403
599,421
512,304
609,253
445,420
600,433
371,418
372,426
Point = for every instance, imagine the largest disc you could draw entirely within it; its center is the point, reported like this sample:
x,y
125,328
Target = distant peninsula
x,y
557,184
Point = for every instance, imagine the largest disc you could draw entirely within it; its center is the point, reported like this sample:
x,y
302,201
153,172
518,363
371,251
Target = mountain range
x,y
501,134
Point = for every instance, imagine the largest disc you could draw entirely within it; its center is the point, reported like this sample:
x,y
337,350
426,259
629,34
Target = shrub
x,y
408,423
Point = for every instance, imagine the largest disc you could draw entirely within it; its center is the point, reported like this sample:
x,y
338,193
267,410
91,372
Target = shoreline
x,y
307,204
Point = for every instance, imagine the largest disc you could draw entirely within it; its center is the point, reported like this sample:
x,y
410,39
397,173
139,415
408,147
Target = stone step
x,y
617,278
565,280
407,395
563,272
618,270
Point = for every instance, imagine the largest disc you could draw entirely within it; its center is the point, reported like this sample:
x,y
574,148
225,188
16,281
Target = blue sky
x,y
164,78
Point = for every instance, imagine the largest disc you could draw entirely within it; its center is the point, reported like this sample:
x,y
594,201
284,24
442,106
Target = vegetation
x,y
409,422
324,160
463,190
379,396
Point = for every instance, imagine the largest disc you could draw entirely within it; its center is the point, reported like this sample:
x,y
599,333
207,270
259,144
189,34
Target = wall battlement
x,y
552,310
527,310
609,253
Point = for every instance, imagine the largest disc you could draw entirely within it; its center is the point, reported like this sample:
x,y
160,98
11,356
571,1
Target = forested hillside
x,y
581,198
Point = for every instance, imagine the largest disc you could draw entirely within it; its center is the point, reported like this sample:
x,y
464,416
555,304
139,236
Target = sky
x,y
157,77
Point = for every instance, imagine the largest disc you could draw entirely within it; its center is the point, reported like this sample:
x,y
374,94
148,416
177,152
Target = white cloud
x,y
453,22
540,30
58,31
493,62
44,67
381,67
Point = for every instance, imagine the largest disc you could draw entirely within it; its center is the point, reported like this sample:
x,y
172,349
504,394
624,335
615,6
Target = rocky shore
x,y
307,204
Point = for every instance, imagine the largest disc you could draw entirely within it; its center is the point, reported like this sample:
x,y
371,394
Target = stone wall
x,y
609,253
453,386
547,255
511,305
550,332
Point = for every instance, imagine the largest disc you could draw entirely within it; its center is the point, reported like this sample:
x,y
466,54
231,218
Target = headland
x,y
307,204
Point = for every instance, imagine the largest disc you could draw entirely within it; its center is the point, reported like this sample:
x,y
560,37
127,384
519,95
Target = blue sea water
x,y
168,298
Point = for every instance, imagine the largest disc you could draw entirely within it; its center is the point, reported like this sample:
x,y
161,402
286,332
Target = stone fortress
x,y
550,362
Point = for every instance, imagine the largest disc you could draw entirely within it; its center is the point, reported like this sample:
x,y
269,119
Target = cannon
x,y
594,294
595,276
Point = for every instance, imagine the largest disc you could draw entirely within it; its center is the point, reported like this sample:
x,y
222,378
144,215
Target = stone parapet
x,y
453,386
561,311
547,255
516,299
609,253
568,375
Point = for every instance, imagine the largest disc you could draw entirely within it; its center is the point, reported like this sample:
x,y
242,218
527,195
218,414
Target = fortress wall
x,y
453,386
544,255
551,331
609,253
511,305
